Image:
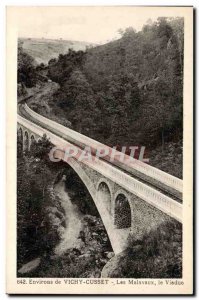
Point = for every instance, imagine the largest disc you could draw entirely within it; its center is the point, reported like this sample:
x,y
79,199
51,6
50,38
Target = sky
x,y
89,24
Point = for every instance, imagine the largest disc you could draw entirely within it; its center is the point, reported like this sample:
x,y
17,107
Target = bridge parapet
x,y
136,167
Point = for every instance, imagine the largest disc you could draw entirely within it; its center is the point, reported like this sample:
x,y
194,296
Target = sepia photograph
x,y
100,135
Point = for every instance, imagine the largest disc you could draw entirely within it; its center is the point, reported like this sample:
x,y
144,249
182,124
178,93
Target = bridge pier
x,y
26,138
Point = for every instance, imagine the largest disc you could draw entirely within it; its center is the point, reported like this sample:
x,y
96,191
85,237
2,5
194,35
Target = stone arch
x,y
83,176
32,137
20,131
26,141
122,210
104,194
104,214
32,141
107,183
20,139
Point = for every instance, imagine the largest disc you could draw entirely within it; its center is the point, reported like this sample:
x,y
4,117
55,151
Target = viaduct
x,y
131,199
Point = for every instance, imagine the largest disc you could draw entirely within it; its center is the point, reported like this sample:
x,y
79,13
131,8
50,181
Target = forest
x,y
126,92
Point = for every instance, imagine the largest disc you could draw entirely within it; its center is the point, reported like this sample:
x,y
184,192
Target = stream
x,y
83,248
70,234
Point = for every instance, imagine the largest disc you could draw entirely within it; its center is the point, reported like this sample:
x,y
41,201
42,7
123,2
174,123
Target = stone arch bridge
x,y
131,200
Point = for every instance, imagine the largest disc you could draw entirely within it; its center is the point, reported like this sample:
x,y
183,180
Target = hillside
x,y
128,92
133,86
42,50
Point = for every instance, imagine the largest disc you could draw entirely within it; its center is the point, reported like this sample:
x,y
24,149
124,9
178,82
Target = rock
x,y
81,243
94,234
86,255
91,249
91,220
110,254
32,265
113,268
97,262
103,260
61,231
51,209
97,274
76,251
55,221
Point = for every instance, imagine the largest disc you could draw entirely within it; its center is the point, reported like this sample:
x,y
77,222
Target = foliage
x,y
61,69
35,173
26,73
160,252
157,255
41,148
129,90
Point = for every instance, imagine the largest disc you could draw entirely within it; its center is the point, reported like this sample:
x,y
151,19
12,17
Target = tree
x,y
78,100
157,114
42,148
128,32
34,230
26,73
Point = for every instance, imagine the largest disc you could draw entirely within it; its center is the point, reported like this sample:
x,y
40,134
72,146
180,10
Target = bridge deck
x,y
142,190
165,183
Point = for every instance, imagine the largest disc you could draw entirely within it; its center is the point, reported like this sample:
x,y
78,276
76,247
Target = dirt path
x,y
73,221
42,95
42,100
